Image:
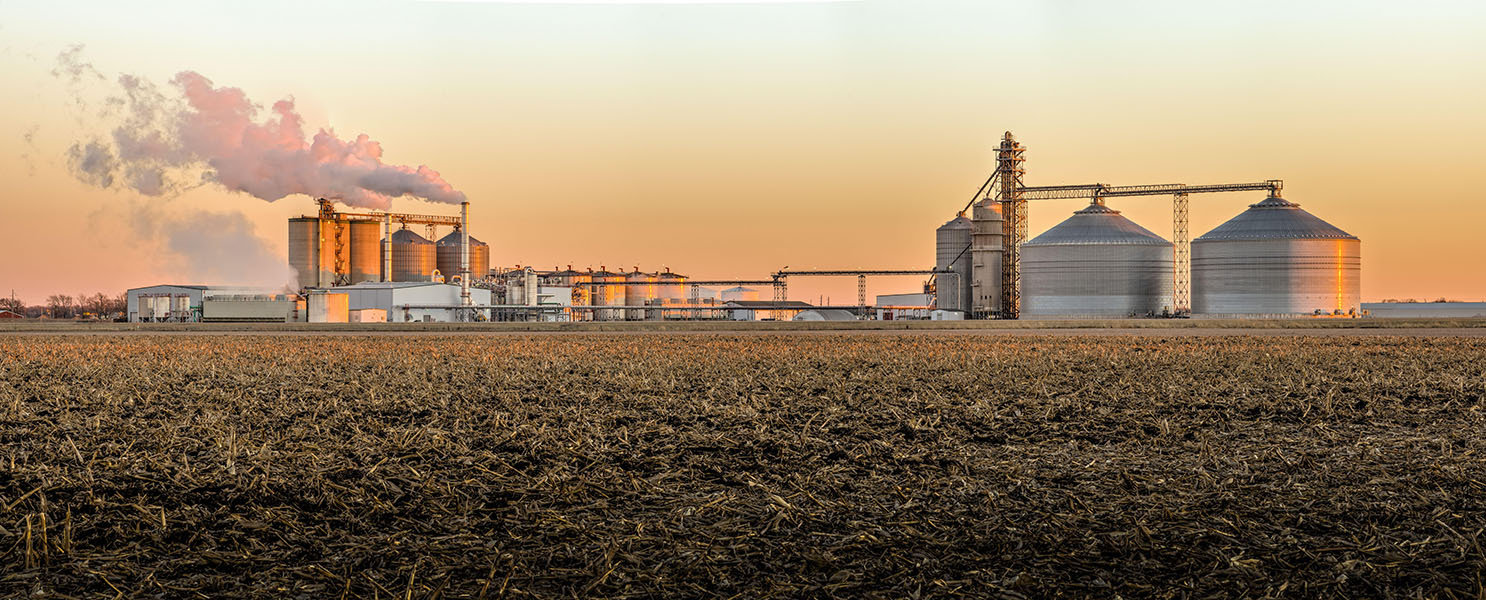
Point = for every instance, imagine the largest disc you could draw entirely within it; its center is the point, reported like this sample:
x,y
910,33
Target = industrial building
x,y
905,307
412,301
203,303
1273,259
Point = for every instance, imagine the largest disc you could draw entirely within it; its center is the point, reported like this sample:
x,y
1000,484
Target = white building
x,y
413,301
183,303
898,307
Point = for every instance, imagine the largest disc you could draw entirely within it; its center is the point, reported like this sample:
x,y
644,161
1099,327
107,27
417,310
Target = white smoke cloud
x,y
198,246
163,143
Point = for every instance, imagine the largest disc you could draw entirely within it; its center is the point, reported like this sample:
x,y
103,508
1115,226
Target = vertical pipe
x,y
464,253
387,247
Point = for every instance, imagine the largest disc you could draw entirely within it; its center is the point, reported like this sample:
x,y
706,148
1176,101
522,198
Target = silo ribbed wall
x,y
1294,276
1276,259
366,251
1096,280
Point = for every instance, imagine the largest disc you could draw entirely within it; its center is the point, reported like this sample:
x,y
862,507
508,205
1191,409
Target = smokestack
x,y
464,253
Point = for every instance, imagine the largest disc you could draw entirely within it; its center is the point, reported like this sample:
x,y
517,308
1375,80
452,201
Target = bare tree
x,y
59,306
11,303
100,304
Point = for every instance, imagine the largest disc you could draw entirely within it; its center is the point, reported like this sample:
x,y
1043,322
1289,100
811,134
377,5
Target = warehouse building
x,y
176,303
414,301
904,307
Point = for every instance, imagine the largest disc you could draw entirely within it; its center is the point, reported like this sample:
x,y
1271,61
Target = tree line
x,y
63,306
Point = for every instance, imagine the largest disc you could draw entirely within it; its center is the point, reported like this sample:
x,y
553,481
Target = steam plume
x,y
215,133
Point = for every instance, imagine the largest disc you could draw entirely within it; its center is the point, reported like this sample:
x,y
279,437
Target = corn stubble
x,y
758,466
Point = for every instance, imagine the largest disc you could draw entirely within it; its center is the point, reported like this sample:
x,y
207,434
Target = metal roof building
x,y
407,301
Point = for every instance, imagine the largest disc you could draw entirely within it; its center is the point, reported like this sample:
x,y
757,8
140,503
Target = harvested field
x,y
753,466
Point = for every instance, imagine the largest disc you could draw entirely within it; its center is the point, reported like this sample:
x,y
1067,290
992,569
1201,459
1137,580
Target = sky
x,y
728,140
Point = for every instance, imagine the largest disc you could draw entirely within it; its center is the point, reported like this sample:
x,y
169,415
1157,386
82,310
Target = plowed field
x,y
751,466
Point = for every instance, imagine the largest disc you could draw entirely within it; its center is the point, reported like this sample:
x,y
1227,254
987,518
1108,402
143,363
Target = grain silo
x,y
366,251
1276,259
448,257
413,257
953,291
986,256
304,250
1096,263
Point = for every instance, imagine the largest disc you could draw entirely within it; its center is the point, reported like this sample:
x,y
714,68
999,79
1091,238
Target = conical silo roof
x,y
1097,224
959,222
1275,218
453,240
407,236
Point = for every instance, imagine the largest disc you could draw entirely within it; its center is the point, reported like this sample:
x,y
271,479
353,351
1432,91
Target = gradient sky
x,y
730,140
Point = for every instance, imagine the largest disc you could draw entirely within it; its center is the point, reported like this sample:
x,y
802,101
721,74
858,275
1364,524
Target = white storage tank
x,y
607,295
953,291
1096,263
640,292
1276,259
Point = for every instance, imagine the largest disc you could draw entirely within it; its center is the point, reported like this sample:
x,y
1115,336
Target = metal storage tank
x,y
607,295
671,289
1096,263
304,250
953,291
180,308
986,251
448,257
1276,258
366,251
412,256
532,286
640,292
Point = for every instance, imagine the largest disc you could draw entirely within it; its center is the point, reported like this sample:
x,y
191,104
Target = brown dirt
x,y
752,466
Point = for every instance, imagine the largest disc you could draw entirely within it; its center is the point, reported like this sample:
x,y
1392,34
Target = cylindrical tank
x,y
532,286
412,257
448,257
607,295
640,292
304,250
180,308
160,307
1096,263
366,251
670,290
1276,258
953,291
986,257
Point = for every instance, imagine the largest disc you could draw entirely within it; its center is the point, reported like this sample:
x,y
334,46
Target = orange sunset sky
x,y
727,140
